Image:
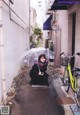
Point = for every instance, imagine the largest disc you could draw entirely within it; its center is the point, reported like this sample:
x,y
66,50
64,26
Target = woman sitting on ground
x,y
38,73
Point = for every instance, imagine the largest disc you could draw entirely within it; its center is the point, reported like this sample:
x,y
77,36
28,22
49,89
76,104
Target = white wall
x,y
32,17
16,39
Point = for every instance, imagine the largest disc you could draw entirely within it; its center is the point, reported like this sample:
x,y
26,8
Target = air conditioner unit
x,y
12,1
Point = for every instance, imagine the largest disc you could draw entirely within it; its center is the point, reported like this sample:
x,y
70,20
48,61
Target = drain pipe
x,y
3,86
29,22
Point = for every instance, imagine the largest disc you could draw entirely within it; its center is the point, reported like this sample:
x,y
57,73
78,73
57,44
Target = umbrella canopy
x,y
32,55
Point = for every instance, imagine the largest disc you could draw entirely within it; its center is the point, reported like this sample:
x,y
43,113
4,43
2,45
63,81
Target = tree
x,y
37,31
36,37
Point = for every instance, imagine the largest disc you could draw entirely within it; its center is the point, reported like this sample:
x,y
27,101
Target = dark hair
x,y
42,55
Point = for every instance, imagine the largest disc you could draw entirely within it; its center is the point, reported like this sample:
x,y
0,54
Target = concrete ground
x,y
36,101
42,100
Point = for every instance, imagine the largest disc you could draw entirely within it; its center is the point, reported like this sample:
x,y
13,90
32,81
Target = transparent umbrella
x,y
32,55
29,57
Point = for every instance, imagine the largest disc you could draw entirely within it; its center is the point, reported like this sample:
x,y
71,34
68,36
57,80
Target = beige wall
x,y
60,35
75,8
63,25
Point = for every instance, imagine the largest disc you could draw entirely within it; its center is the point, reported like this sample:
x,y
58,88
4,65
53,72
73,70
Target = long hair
x,y
42,55
42,64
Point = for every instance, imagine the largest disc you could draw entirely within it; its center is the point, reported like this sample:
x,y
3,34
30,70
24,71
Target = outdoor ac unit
x,y
12,1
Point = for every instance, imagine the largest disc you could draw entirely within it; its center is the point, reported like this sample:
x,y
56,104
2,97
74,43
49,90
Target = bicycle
x,y
71,76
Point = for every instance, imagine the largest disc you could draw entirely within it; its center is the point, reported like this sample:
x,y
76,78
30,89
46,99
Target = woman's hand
x,y
40,73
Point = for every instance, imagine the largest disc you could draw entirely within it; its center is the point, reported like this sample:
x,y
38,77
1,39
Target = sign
x,y
4,110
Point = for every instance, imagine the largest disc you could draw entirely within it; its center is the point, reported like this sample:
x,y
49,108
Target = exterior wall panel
x,y
16,39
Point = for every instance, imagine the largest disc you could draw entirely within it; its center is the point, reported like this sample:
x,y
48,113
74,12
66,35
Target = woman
x,y
38,72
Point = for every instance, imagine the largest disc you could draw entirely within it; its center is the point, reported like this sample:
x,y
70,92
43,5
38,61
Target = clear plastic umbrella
x,y
29,57
32,55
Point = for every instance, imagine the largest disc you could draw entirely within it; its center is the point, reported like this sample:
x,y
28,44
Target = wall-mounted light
x,y
11,1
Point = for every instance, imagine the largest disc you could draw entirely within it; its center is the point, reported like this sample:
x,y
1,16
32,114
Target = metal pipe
x,y
29,23
2,55
16,14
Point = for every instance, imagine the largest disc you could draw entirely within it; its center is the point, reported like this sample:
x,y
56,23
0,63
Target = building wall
x,y
60,35
63,25
16,37
32,19
75,8
33,16
45,37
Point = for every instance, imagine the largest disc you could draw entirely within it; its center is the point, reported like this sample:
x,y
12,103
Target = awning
x,y
58,6
47,24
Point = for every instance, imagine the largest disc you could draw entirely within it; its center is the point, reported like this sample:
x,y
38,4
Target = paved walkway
x,y
40,101
36,101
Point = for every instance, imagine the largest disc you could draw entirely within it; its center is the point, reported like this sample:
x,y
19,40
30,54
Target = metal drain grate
x,y
75,109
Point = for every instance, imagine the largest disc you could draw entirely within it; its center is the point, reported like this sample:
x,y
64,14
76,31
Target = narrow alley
x,y
39,44
36,100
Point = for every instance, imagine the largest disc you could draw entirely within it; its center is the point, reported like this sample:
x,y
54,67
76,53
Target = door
x,y
73,37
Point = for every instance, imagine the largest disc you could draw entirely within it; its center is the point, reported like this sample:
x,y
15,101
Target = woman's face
x,y
42,59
